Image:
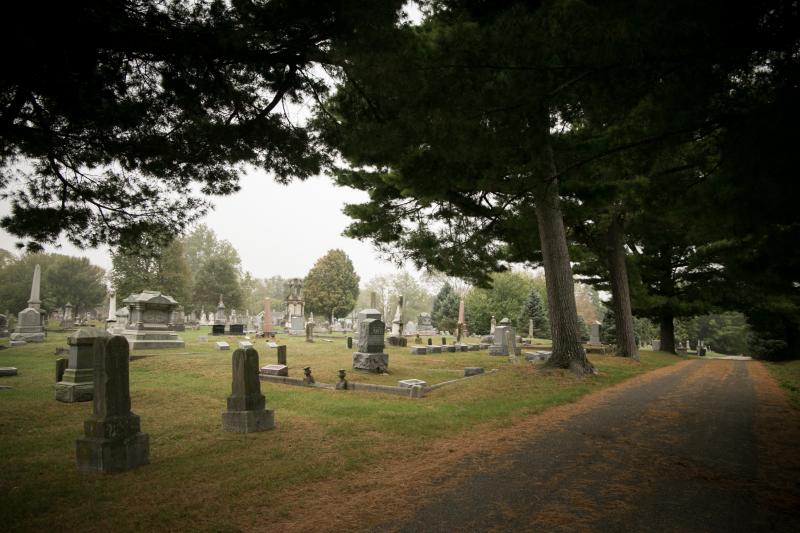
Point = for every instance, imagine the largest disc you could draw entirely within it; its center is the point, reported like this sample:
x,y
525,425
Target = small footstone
x,y
18,343
408,383
434,349
474,347
223,346
245,344
275,370
472,371
448,348
8,371
419,350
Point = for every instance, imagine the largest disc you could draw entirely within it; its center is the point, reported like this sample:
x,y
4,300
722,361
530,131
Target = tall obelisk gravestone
x,y
29,320
113,441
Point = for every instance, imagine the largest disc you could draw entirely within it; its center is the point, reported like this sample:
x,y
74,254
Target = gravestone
x,y
656,345
281,354
8,371
297,325
266,319
425,324
113,441
236,329
504,340
396,338
222,345
472,371
349,343
365,314
408,383
77,383
370,355
245,344
449,348
594,336
247,411
68,320
419,350
275,370
218,329
295,303
219,315
310,331
179,319
492,325
61,367
150,324
29,320
111,319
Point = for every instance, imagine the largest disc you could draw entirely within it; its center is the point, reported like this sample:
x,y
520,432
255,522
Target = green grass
x,y
208,478
788,375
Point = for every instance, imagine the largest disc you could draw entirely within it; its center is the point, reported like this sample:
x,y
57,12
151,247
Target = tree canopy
x,y
331,286
114,115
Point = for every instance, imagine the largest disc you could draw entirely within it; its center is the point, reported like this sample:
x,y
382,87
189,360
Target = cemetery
x,y
177,395
401,265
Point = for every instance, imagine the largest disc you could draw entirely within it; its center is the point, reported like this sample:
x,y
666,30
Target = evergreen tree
x,y
445,309
608,329
216,277
331,285
534,309
163,268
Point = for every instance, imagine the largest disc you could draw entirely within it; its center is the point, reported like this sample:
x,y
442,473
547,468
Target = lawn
x,y
788,375
201,476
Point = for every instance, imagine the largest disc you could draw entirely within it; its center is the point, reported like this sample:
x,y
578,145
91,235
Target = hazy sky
x,y
277,229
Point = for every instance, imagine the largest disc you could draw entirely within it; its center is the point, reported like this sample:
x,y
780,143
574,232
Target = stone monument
x,y
396,338
149,322
267,319
492,325
29,320
461,321
504,340
295,304
122,320
77,382
111,320
68,320
594,336
113,441
219,316
425,324
247,411
370,355
310,331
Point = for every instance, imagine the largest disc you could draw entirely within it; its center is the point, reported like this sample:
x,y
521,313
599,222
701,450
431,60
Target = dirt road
x,y
708,446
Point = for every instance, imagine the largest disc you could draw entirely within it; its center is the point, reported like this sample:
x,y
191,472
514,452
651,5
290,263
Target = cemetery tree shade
x,y
65,279
445,309
121,107
331,285
503,299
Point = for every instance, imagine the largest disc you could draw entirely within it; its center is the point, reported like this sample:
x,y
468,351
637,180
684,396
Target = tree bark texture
x,y
620,289
667,333
568,351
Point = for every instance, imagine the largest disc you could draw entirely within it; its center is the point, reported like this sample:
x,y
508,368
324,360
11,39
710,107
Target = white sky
x,y
277,229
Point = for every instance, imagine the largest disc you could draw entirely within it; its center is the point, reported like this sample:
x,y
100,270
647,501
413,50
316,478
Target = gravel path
x,y
712,446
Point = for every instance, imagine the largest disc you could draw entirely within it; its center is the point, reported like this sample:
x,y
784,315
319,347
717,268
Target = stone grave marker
x,y
281,354
275,370
222,345
247,410
419,350
370,355
472,371
408,383
245,344
113,440
61,366
77,383
8,371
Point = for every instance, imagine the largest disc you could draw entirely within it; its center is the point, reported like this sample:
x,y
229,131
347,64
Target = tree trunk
x,y
667,333
620,290
568,351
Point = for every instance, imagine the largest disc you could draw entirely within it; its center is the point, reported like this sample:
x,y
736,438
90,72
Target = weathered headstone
x,y
245,344
281,349
266,322
504,340
472,371
310,331
492,325
370,355
222,345
77,383
8,371
297,325
113,441
247,411
61,366
425,324
29,320
408,383
217,329
236,329
275,370
594,336
349,343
